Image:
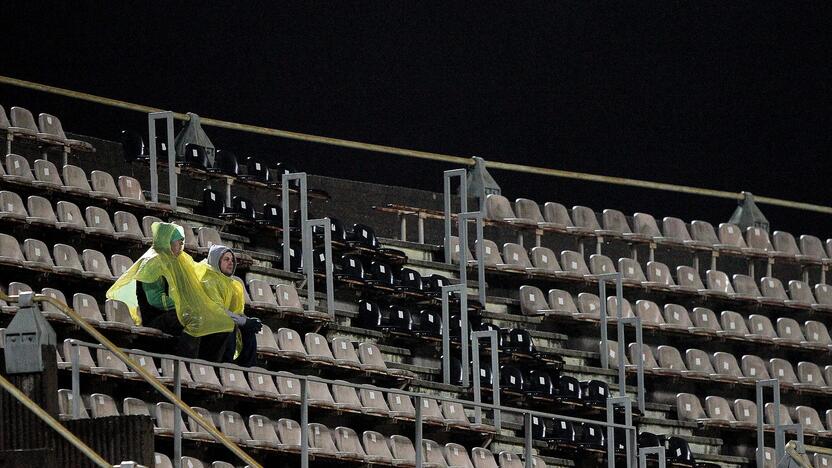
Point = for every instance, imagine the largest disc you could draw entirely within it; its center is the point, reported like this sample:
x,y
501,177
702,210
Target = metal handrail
x,y
154,382
53,423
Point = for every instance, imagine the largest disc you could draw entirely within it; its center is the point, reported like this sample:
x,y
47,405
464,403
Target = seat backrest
x,y
289,340
811,246
432,453
147,224
754,366
4,120
47,173
457,456
744,284
649,312
483,458
731,234
95,262
455,250
343,349
823,294
614,220
688,277
718,281
703,317
658,272
401,404
65,404
120,264
345,395
675,228
698,360
233,379
800,291
372,399
86,306
688,407
347,441
726,364
782,370
103,182
319,393
75,177
589,304
810,373
108,360
51,125
509,460
788,328
601,264
369,354
772,287
584,217
574,262
208,237
515,254
320,438
562,301
703,231
543,258
676,314
35,250
645,224
785,242
757,238
134,406
612,354
18,166
98,218
761,325
375,445
402,448
817,332
528,209
288,431
745,410
287,384
669,358
126,222
102,406
785,417
11,203
646,355
630,269
497,207
733,322
39,207
719,408
261,291
316,345
262,383
532,300
232,424
490,252
556,213
130,188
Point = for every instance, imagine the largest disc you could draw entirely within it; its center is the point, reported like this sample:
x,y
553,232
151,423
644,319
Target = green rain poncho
x,y
197,312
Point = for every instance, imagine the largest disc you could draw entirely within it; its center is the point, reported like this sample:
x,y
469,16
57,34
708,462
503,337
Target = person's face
x,y
227,263
176,247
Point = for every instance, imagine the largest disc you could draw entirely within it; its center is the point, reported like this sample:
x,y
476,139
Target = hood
x,y
215,253
164,234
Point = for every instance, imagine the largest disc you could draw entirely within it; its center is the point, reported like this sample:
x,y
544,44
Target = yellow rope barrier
x,y
522,168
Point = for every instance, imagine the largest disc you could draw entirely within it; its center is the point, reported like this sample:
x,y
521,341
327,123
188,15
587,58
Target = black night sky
x,y
724,95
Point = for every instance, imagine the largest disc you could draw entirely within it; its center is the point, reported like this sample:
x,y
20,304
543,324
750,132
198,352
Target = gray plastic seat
x,y
704,321
528,209
233,426
789,332
49,310
96,265
108,364
262,385
688,280
589,307
197,431
75,180
70,217
103,185
146,362
704,233
573,264
102,406
615,221
650,314
645,224
288,387
290,344
167,367
746,288
801,294
18,169
317,348
455,252
601,265
561,303
759,244
612,308
22,124
262,296
557,216
234,382
261,430
319,395
457,456
483,458
346,398
786,245
631,272
734,325
760,326
287,299
65,405
36,255
134,407
647,357
98,221
728,369
85,362
204,376
288,432
208,237
676,231
718,284
344,353
403,451
491,253
432,454
401,406
730,237
817,333
498,208
46,175
130,191
12,207
719,412
699,361
823,296
147,227
52,130
812,248
543,261
821,460
746,413
773,292
754,367
372,402
87,307
612,353
454,414
120,264
375,445
348,444
515,257
533,301
658,277
783,371
676,318
40,211
670,362
127,226
770,417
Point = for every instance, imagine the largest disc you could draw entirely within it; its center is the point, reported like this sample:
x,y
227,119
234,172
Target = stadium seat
x,y
120,264
483,458
615,221
529,209
52,132
36,256
320,440
810,376
102,406
344,353
801,294
134,406
96,265
404,454
675,229
543,261
585,218
87,307
346,398
745,289
432,454
730,238
193,156
317,349
821,460
262,296
589,307
204,376
671,363
679,453
457,456
782,370
167,368
760,328
612,353
208,237
759,244
288,432
658,277
689,408
601,265
266,342
786,244
816,332
130,192
46,175
262,385
108,364
688,280
649,313
728,369
773,292
364,236
127,226
733,325
65,405
103,185
213,203
40,211
98,221
769,457
234,382
371,359
50,311
515,257
288,387
631,272
785,417
498,208
574,265
704,322
557,216
18,169
75,180
196,430
70,217
650,364
812,248
745,411
823,294
754,367
532,301
146,362
718,284
261,430
233,426
676,318
376,447
789,332
561,303
289,344
698,363
491,254
12,207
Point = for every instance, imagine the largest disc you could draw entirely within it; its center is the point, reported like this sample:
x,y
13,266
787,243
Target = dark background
x,y
724,95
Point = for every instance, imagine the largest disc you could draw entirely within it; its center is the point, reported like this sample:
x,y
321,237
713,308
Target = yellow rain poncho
x,y
221,288
197,312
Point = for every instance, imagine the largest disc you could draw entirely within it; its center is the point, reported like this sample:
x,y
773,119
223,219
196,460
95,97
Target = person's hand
x,y
252,324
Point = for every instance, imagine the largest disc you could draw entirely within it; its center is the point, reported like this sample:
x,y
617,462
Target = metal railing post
x,y
462,289
152,117
643,452
463,203
527,440
309,264
304,423
640,390
630,439
177,416
76,380
495,374
779,437
463,249
284,205
602,292
418,435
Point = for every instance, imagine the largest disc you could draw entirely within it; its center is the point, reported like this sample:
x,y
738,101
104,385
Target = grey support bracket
x,y
177,416
462,290
779,436
309,264
602,293
284,205
152,117
495,374
643,452
463,203
630,443
477,216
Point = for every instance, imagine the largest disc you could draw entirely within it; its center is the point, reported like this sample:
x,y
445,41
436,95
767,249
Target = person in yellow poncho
x,y
216,276
165,281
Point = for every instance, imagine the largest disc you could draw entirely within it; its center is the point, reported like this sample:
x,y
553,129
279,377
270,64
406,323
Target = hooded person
x,y
215,274
165,281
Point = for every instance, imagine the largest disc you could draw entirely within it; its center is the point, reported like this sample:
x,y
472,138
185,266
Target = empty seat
x,y
532,301
288,387
812,248
289,344
760,327
40,211
773,292
87,307
515,257
376,447
95,265
783,371
372,402
689,408
573,264
699,361
688,279
167,368
49,310
208,237
346,398
317,348
262,385
675,229
745,411
544,261
718,284
647,358
102,406
320,440
288,432
454,414
127,226
432,454
12,207
491,253
261,430
70,217
658,277
631,272
98,221
371,358
46,175
457,456
589,307
730,236
234,382
483,458
801,294
233,426
120,264
615,359
130,191
785,417
727,368
810,375
498,208
561,302
704,321
816,332
52,131
529,210
601,265
103,185
585,219
719,411
75,180
197,431
18,169
319,395
676,318
344,353
262,296
615,221
401,406
37,256
204,376
108,364
759,243
734,325
650,314
135,407
670,362
147,363
147,227
746,288
754,367
65,402
287,299
789,332
785,244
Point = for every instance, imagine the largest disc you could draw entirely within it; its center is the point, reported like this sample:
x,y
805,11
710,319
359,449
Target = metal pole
x,y
527,440
622,349
446,330
477,383
642,456
495,373
304,424
177,416
418,436
463,203
172,182
602,294
76,380
480,257
154,169
284,203
308,265
779,438
308,259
